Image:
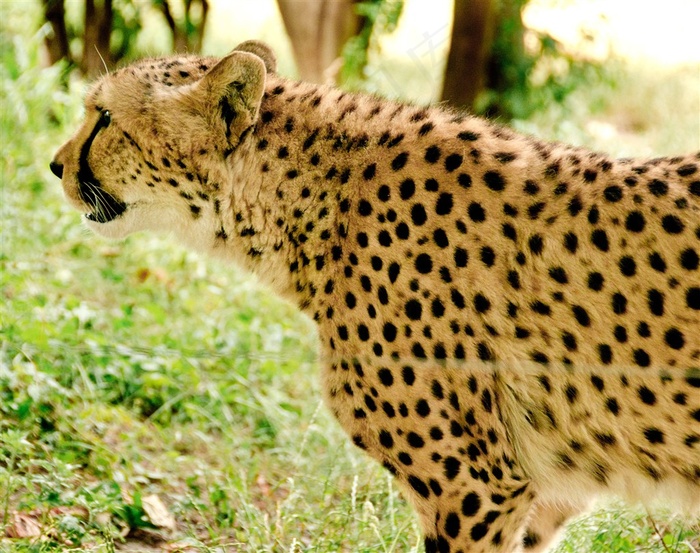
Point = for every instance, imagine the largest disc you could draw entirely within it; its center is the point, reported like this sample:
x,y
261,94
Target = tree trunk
x,y
198,38
97,58
470,48
56,42
187,36
318,29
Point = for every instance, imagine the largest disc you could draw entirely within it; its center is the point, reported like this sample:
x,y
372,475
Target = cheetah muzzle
x,y
511,327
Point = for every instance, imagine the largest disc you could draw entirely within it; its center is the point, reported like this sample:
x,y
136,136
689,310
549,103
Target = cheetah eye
x,y
105,118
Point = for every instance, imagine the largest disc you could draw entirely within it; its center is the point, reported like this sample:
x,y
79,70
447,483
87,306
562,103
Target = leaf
x,y
157,512
23,526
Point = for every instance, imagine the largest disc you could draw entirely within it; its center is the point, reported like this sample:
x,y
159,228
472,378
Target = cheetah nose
x,y
56,168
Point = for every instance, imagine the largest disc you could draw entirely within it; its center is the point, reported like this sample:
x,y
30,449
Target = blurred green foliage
x,y
126,26
521,81
380,16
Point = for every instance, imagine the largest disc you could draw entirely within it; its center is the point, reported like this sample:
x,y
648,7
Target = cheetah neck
x,y
296,178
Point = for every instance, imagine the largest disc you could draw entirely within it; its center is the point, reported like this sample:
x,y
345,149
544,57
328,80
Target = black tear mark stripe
x,y
88,184
85,173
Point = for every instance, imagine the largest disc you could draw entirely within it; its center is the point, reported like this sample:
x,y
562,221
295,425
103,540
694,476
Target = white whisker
x,y
103,60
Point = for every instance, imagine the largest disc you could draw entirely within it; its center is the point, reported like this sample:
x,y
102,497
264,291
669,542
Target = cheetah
x,y
510,327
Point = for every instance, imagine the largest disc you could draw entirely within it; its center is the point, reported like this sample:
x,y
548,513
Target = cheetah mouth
x,y
105,207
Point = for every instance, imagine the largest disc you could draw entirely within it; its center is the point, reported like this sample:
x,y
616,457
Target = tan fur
x,y
511,327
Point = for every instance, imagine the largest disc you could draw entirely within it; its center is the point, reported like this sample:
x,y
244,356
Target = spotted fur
x,y
511,327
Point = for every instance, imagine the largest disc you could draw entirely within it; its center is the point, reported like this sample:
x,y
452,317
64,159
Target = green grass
x,y
136,369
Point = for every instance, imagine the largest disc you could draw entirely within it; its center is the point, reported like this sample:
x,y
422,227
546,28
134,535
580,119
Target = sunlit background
x,y
659,40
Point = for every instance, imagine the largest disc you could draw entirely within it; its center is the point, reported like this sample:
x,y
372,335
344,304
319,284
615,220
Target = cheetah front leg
x,y
439,431
545,524
479,518
499,527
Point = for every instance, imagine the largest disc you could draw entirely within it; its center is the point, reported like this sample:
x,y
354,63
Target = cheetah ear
x,y
262,50
231,92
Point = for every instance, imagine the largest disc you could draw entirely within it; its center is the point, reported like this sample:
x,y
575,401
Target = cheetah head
x,y
156,138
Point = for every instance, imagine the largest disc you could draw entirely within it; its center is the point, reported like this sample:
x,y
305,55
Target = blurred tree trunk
x,y
189,34
56,42
318,29
466,73
511,31
98,29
